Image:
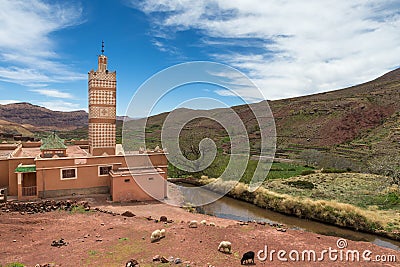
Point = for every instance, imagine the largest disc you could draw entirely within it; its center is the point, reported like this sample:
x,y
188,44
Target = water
x,y
230,208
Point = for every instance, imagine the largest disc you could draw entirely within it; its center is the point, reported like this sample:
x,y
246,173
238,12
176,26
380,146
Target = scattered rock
x,y
128,214
42,206
178,261
163,219
164,260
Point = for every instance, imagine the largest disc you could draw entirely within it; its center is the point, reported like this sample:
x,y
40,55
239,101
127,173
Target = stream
x,y
234,209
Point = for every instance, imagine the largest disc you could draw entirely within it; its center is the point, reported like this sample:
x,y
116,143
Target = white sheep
x,y
212,224
193,224
225,245
155,236
203,222
162,232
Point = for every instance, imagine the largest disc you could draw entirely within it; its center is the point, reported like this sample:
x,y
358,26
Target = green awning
x,y
26,168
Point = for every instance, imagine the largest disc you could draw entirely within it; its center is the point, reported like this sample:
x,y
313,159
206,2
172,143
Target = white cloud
x,y
5,102
53,93
60,105
27,52
306,46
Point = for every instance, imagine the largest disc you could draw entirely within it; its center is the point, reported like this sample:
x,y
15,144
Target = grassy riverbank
x,y
361,202
278,170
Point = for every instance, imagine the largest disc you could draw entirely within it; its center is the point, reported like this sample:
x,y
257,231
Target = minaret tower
x,y
102,108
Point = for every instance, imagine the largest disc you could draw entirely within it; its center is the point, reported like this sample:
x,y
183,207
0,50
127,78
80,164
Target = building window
x,y
104,170
68,174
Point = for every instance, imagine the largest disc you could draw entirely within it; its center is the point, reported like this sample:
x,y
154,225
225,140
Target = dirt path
x,y
101,239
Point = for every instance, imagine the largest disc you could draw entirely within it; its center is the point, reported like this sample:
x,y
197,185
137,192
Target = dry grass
x,y
374,220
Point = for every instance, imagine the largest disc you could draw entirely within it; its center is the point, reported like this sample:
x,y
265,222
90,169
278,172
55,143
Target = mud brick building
x,y
50,168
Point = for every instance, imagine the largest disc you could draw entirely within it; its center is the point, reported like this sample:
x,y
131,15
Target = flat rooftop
x,y
32,152
5,153
6,150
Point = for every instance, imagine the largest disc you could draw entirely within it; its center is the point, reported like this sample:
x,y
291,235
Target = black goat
x,y
249,255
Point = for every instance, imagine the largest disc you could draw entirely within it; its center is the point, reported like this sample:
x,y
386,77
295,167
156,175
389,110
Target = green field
x,y
278,170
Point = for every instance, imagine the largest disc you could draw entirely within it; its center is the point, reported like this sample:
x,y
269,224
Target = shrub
x,y
301,184
276,169
332,170
15,264
387,165
78,209
307,172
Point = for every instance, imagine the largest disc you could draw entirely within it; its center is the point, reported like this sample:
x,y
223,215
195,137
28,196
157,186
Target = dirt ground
x,y
100,239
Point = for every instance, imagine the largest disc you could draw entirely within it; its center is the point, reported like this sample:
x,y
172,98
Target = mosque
x,y
53,167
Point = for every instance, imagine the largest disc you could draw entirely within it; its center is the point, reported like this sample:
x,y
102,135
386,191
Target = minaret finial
x,y
102,47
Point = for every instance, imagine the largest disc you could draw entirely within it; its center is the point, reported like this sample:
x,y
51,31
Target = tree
x,y
387,165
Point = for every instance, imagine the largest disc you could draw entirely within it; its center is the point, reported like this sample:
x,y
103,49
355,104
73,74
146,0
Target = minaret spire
x,y
102,105
102,60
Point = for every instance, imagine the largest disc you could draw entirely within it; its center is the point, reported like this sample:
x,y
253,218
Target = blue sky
x,y
287,48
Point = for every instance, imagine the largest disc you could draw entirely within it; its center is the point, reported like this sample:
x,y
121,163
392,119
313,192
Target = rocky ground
x,y
103,237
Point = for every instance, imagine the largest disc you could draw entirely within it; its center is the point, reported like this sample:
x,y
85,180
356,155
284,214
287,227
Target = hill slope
x,y
351,122
42,118
345,121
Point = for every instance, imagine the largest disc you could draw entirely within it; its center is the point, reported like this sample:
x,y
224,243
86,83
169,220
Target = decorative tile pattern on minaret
x,y
102,108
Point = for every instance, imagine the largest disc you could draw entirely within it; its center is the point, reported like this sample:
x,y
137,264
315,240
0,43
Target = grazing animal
x,y
193,224
155,236
249,255
203,222
132,263
162,232
226,246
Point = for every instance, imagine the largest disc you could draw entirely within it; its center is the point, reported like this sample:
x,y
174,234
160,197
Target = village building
x,y
53,168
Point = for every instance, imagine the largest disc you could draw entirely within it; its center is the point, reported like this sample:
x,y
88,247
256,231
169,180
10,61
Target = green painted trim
x,y
25,169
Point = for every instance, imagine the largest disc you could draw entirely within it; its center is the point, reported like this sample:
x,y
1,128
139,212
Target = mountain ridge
x,y
360,115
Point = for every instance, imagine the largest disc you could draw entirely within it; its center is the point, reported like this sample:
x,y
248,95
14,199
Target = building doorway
x,y
29,187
